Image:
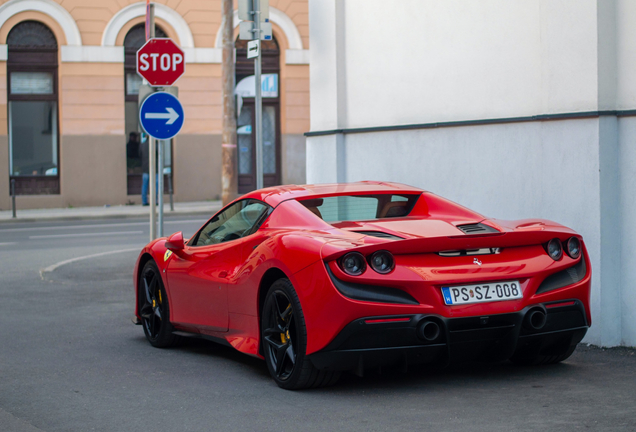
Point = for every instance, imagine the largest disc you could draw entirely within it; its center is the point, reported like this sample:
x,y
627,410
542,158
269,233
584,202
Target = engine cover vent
x,y
477,228
380,234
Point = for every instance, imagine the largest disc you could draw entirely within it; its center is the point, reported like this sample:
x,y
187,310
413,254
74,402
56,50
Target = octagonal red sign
x,y
161,62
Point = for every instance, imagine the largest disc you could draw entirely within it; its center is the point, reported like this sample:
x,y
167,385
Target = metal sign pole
x,y
153,149
258,101
170,191
160,185
13,198
153,187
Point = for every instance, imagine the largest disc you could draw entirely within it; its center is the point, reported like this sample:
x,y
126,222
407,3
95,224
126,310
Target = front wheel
x,y
284,338
154,308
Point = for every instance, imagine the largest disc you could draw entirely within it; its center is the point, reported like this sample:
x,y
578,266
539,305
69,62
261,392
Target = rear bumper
x,y
377,341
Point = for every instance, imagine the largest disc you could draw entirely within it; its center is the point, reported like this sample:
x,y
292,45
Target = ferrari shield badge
x,y
167,255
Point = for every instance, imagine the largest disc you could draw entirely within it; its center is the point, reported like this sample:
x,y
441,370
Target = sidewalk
x,y
184,208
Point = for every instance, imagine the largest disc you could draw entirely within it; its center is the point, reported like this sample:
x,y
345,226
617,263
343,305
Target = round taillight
x,y
382,262
554,249
353,264
574,247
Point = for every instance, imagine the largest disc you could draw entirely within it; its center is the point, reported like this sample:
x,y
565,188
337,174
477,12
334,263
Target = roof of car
x,y
275,195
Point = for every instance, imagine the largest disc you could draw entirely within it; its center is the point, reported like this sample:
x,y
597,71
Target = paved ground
x,y
71,360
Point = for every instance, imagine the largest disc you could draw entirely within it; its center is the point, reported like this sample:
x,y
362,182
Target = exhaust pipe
x,y
428,330
535,319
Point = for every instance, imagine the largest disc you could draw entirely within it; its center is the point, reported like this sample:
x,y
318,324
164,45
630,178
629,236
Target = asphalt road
x,y
71,360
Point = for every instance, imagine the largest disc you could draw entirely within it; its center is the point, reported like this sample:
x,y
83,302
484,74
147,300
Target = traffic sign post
x,y
258,105
161,62
253,48
152,144
257,27
161,115
246,10
247,29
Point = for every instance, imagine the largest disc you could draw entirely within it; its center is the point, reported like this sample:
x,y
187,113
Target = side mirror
x,y
175,242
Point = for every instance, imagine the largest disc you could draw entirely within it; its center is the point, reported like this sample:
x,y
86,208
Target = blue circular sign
x,y
161,115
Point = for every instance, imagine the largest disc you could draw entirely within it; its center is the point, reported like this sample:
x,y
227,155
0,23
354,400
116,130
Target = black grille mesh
x,y
569,276
477,228
380,234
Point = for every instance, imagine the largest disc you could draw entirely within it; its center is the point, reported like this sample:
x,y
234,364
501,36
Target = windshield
x,y
360,207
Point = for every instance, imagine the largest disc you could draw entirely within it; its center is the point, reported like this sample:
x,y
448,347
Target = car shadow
x,y
435,377
197,348
425,376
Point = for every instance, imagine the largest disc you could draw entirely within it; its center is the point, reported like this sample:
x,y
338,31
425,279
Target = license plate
x,y
481,293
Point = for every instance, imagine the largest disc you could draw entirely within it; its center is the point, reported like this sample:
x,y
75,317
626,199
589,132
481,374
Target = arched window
x,y
33,100
270,67
135,39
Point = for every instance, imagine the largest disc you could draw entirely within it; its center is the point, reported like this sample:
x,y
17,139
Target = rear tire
x,y
154,308
284,339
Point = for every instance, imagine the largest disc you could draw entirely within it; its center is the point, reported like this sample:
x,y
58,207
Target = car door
x,y
198,276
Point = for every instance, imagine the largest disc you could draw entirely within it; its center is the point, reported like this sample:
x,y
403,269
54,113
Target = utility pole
x,y
152,144
229,178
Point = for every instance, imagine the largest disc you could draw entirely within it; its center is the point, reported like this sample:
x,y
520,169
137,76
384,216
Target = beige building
x,y
69,100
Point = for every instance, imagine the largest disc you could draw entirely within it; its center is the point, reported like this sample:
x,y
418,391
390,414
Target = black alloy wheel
x,y
284,341
154,309
280,336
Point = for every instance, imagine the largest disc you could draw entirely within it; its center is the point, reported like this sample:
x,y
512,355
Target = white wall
x,y
385,63
499,58
626,54
627,210
323,84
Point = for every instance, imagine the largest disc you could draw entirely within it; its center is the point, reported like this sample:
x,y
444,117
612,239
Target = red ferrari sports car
x,y
320,279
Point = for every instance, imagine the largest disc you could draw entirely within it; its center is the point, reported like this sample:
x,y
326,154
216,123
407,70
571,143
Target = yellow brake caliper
x,y
284,337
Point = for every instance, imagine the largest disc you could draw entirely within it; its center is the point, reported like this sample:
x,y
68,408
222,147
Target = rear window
x,y
360,207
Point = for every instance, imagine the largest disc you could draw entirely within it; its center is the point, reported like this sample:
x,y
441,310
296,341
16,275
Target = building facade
x,y
515,109
69,100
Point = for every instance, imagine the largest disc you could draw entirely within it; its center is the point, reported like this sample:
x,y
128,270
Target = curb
x,y
106,216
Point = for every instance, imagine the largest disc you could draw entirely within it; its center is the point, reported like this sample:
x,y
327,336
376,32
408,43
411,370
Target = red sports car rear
x,y
325,278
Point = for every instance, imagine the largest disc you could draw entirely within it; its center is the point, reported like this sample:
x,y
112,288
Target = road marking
x,y
85,234
7,243
72,260
70,227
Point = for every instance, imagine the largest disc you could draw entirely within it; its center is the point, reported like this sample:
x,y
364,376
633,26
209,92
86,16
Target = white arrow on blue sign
x,y
161,115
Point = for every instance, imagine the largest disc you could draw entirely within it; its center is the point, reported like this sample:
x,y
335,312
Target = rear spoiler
x,y
336,249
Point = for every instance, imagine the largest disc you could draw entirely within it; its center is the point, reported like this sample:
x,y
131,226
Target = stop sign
x,y
161,62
